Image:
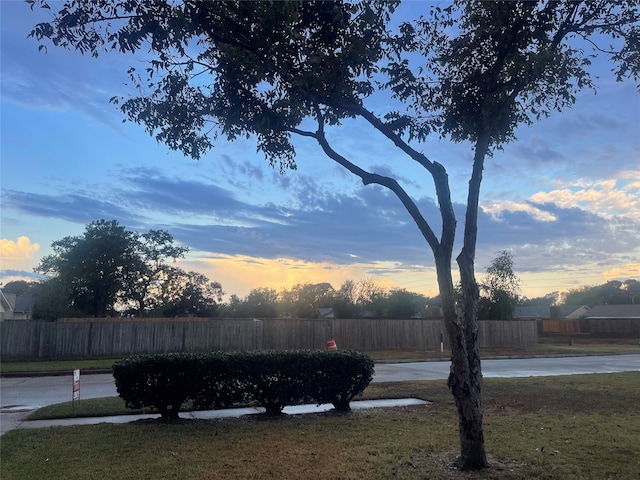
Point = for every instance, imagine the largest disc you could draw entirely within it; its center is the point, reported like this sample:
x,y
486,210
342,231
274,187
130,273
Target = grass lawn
x,y
62,366
573,427
92,407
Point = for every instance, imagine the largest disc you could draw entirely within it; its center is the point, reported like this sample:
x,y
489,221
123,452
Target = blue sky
x,y
564,198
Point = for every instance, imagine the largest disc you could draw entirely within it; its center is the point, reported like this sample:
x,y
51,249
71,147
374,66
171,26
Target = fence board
x,y
561,326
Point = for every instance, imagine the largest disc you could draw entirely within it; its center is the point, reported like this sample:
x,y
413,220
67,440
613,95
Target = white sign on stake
x,y
76,385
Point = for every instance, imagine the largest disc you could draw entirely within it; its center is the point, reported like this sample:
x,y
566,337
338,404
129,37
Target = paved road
x,y
520,367
19,396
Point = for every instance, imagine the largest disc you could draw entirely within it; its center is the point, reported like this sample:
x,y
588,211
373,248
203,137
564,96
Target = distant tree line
x,y
613,292
109,270
499,296
500,292
351,300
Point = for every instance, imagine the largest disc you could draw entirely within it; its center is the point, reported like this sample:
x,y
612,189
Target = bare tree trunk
x,y
467,388
465,377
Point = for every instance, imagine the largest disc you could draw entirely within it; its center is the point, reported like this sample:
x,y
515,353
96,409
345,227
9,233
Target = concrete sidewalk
x,y
225,413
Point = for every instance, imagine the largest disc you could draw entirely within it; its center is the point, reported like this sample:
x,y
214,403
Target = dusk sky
x,y
564,197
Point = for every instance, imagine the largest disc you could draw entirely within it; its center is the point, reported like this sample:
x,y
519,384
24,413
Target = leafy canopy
x,y
232,68
506,62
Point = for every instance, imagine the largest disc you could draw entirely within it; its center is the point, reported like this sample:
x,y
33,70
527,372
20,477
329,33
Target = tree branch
x,y
372,178
437,171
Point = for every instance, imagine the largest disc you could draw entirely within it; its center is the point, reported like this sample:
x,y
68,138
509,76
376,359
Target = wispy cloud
x,y
366,225
10,275
74,207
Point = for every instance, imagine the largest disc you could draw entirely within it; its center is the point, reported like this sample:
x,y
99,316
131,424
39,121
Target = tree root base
x,y
450,465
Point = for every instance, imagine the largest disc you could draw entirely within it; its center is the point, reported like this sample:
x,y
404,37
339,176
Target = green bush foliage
x,y
341,376
215,381
163,382
272,379
275,379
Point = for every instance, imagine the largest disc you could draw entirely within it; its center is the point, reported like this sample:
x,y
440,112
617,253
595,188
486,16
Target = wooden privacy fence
x,y
620,327
614,327
83,339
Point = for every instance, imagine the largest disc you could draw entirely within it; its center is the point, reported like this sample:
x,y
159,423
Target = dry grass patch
x,y
447,464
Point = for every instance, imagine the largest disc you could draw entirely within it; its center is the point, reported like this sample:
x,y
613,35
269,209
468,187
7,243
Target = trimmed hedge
x,y
162,382
272,379
341,377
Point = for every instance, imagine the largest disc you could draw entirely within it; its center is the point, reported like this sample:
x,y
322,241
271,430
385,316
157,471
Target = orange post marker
x,y
331,345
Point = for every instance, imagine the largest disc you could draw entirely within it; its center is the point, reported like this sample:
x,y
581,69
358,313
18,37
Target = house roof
x,y
566,310
544,311
326,312
613,311
532,311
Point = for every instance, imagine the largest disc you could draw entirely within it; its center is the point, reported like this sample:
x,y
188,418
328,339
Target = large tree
x,y
344,300
261,302
404,304
53,300
21,288
88,273
184,294
500,289
305,300
91,266
472,72
151,250
371,298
